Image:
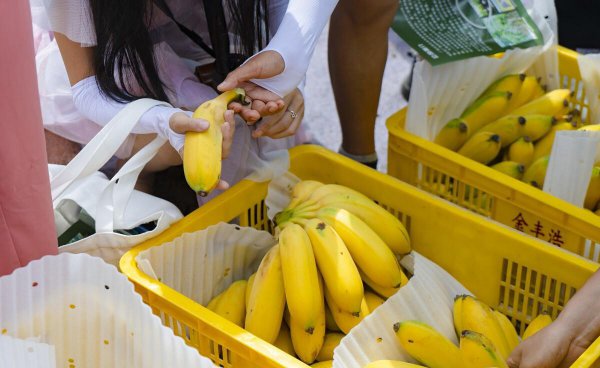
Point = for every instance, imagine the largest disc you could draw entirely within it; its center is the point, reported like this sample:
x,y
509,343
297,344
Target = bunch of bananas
x,y
487,337
309,289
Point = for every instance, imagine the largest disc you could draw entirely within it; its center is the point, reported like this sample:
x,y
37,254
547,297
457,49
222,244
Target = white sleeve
x,y
95,106
295,41
73,18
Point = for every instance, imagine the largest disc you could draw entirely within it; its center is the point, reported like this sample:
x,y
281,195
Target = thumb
x,y
514,360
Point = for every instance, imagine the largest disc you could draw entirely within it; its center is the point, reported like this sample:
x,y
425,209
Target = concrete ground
x,y
321,115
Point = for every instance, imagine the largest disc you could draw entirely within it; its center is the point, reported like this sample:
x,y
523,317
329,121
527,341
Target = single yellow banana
x,y
344,320
326,364
510,168
521,151
536,173
590,128
373,300
302,191
300,277
332,340
539,322
372,256
308,344
267,298
543,147
249,288
483,147
457,314
231,303
509,330
202,150
453,135
539,90
592,195
391,364
485,110
479,352
330,321
509,128
553,103
284,340
213,303
479,317
509,83
335,264
428,346
380,290
537,126
530,85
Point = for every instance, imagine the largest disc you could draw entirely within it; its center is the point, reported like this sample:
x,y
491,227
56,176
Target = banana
x,y
267,298
529,87
330,322
592,195
453,135
521,151
543,147
332,340
509,330
539,90
300,277
202,152
479,352
553,103
326,364
428,346
284,340
483,147
536,173
344,320
537,126
536,325
302,191
308,344
479,317
485,110
590,128
213,303
510,168
249,288
335,263
380,290
373,300
372,256
391,364
509,128
457,314
509,83
231,303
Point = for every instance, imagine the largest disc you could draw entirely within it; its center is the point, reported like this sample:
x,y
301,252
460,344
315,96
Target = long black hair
x,y
124,47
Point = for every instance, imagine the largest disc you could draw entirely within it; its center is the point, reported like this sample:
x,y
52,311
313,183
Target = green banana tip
x,y
521,168
463,127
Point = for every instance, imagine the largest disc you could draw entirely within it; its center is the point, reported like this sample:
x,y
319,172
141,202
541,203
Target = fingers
x,y
286,125
228,130
264,65
514,359
181,123
291,129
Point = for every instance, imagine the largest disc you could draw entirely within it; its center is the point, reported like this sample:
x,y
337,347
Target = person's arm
x,y
562,342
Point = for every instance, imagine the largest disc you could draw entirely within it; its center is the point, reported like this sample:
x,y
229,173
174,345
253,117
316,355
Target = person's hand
x,y
181,123
262,101
283,124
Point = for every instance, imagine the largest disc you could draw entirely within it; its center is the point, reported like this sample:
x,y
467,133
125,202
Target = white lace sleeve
x,y
73,18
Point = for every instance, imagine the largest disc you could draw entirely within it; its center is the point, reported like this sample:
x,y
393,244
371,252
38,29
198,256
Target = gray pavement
x,y
321,115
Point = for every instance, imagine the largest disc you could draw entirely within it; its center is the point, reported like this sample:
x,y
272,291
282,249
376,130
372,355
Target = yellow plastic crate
x,y
432,168
518,275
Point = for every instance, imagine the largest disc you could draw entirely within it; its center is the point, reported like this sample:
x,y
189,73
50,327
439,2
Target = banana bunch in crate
x,y
335,262
486,338
511,127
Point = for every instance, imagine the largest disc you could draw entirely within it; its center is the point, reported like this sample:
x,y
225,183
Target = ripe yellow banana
x,y
590,128
332,340
457,314
509,330
249,288
509,83
553,103
213,303
373,300
284,340
330,322
539,90
483,147
479,352
202,150
391,364
592,195
537,126
372,256
485,110
326,364
300,277
230,304
380,290
479,317
510,168
536,172
344,320
509,128
521,151
335,263
537,324
428,346
302,191
543,147
453,135
267,298
530,85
